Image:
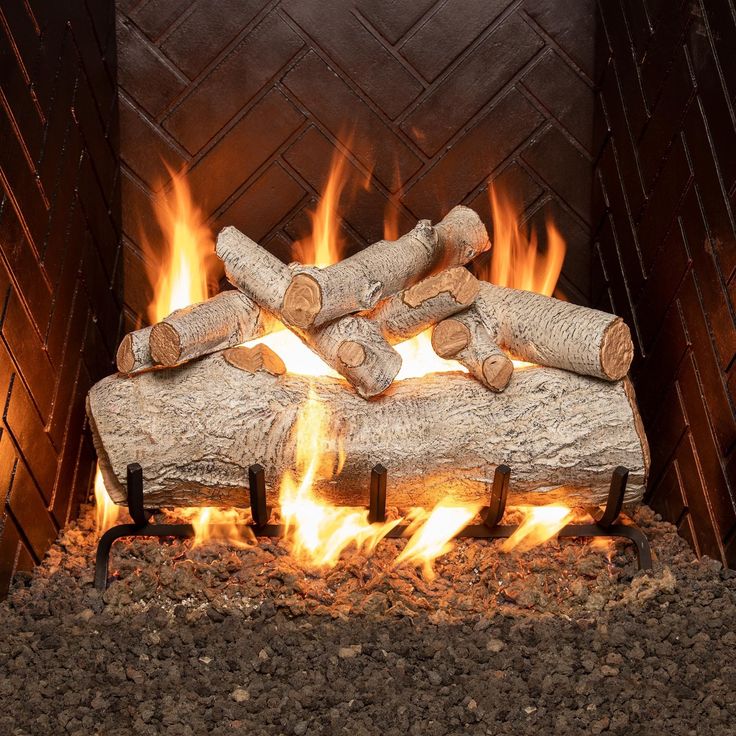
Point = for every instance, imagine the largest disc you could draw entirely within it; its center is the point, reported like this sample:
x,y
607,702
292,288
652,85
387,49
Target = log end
x,y
497,371
617,350
125,358
302,301
257,358
449,337
462,235
165,344
352,354
458,282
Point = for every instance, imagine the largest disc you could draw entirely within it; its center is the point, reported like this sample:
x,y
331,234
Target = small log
x,y
257,358
405,315
466,339
316,296
353,346
223,321
547,331
134,353
196,429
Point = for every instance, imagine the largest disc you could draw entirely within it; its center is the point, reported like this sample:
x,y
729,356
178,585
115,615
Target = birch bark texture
x,y
563,434
547,331
134,352
316,296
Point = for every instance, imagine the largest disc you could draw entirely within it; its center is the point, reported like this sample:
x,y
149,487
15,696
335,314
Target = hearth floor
x,y
567,638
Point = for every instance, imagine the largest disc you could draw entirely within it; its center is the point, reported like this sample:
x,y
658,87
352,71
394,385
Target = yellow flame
x,y
432,534
540,524
221,525
181,275
319,532
107,512
516,260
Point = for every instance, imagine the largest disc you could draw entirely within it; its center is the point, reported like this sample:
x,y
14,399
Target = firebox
x,y
594,142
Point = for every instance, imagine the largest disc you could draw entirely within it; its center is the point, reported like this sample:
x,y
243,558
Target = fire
x,y
107,512
219,525
516,260
181,279
434,533
319,532
540,524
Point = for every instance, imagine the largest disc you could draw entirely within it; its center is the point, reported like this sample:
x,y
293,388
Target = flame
x,y
319,533
540,524
432,534
219,525
107,512
181,279
516,260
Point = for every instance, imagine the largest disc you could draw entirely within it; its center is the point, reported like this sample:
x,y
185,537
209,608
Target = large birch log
x,y
466,339
223,321
353,346
405,315
196,429
316,296
550,332
134,352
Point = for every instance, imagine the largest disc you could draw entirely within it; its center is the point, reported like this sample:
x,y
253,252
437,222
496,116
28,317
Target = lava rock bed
x,y
566,638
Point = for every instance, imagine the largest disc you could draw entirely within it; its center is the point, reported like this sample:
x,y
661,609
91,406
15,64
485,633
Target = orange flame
x,y
540,524
107,512
219,525
434,533
181,279
516,260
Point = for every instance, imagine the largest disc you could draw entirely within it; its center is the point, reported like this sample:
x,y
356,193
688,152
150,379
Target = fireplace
x,y
610,121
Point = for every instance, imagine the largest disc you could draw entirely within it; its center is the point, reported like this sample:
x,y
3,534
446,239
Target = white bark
x,y
550,332
316,296
466,339
134,353
405,315
223,321
196,429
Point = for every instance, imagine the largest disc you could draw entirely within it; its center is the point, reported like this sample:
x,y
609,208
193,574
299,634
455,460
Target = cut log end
x,y
165,344
352,354
617,350
302,301
459,283
497,370
257,358
449,338
125,358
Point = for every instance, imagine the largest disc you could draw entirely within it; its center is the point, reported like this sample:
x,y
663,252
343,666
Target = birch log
x,y
353,346
466,339
550,332
223,321
258,358
196,429
134,353
405,315
316,296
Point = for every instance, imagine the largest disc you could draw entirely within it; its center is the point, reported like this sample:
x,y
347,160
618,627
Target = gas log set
x,y
197,410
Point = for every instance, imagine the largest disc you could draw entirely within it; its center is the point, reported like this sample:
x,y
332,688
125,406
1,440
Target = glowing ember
x,y
434,534
516,260
540,524
320,532
107,512
181,279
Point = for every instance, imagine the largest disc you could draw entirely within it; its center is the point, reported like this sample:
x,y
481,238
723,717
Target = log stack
x,y
195,410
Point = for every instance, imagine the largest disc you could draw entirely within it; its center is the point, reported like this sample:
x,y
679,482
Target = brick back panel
x,y
429,101
664,194
60,280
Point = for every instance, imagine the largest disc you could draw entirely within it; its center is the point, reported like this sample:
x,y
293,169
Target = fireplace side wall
x,y
59,274
428,101
665,250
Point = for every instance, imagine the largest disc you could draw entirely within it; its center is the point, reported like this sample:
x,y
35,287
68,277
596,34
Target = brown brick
x,y
30,513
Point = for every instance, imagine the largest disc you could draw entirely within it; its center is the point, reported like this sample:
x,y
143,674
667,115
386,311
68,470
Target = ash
x,y
566,638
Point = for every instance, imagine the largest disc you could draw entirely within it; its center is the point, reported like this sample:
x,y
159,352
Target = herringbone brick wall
x,y
428,100
59,270
665,190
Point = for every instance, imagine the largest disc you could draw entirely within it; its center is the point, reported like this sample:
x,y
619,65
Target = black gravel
x,y
564,639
